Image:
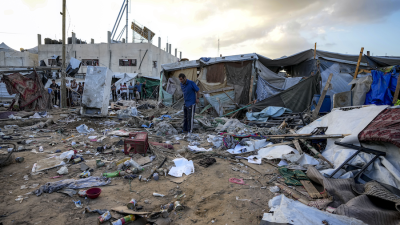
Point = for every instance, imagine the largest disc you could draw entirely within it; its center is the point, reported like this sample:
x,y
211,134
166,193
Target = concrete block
x,y
96,95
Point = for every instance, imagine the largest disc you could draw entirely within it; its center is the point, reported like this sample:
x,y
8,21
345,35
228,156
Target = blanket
x,y
385,128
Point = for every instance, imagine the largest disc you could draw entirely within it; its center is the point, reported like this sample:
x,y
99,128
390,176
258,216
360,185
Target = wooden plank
x,y
312,149
312,191
322,97
125,210
297,145
251,88
396,93
231,99
315,50
358,62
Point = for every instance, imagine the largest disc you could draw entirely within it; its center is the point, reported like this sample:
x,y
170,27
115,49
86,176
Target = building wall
x,y
18,59
110,54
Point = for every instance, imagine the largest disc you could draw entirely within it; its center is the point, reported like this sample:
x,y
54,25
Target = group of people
x,y
73,89
129,92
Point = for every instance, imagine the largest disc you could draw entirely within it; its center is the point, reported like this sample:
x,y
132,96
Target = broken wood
x,y
358,66
124,210
322,97
297,145
396,93
312,191
231,99
358,63
313,149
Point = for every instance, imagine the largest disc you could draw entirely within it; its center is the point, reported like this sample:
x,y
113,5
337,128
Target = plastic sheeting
x,y
288,211
270,83
360,90
182,166
190,73
270,111
339,82
381,87
296,98
167,98
221,102
385,170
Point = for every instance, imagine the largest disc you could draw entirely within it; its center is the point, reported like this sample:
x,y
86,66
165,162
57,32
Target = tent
x,y
6,48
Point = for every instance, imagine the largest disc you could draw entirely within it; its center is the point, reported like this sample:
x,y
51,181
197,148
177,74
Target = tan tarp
x,y
191,73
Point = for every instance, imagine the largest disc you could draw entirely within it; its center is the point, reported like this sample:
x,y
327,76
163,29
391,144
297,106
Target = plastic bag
x,y
63,170
134,111
67,155
83,129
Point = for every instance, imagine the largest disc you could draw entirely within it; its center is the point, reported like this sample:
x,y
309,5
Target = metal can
x,y
19,159
155,176
169,207
106,216
178,206
132,204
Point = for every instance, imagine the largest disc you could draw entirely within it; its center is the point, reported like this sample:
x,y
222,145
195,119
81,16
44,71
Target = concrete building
x,y
142,58
11,57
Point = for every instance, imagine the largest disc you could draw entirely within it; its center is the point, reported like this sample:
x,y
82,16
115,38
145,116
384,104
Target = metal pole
x,y
126,29
63,87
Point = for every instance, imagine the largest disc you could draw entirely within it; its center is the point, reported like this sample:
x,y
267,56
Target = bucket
x,y
326,104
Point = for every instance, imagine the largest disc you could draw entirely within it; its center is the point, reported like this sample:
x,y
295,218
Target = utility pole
x,y
126,29
63,91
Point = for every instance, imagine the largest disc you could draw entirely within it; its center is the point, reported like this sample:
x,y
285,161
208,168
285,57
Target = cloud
x,y
34,4
8,12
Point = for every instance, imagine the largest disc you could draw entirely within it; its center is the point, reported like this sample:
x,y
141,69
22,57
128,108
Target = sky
x,y
270,28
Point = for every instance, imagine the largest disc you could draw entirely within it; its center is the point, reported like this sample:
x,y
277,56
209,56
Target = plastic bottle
x,y
158,195
124,220
136,165
114,174
34,167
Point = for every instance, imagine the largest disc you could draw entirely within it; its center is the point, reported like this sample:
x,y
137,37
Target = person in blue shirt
x,y
191,97
130,87
138,86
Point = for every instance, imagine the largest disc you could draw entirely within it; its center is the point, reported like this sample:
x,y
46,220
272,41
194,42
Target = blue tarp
x,y
270,111
382,86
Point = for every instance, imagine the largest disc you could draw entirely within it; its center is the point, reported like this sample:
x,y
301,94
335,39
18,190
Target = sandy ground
x,y
209,196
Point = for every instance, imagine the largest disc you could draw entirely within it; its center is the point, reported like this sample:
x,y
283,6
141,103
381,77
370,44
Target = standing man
x,y
124,91
191,97
55,89
144,90
130,91
114,92
138,88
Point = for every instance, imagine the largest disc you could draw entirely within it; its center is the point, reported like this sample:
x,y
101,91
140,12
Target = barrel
x,y
326,104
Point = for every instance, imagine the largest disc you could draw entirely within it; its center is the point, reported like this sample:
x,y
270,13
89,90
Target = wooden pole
x,y
231,99
396,93
315,50
251,88
358,63
322,97
63,90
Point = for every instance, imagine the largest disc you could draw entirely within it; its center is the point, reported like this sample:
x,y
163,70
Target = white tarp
x,y
339,83
288,211
385,169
